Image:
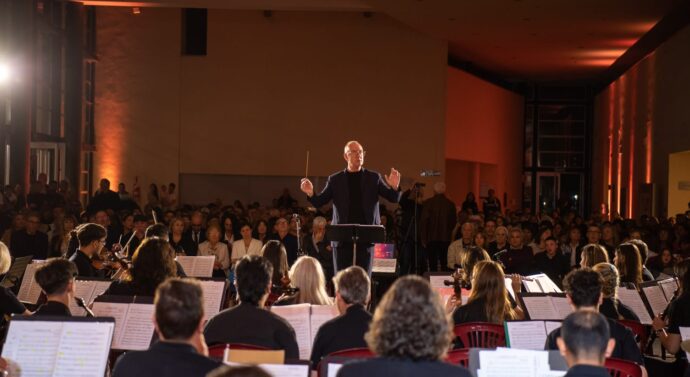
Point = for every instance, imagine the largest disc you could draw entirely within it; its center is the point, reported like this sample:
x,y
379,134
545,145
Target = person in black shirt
x,y
355,194
611,306
288,240
91,240
195,235
317,245
518,259
585,343
30,241
181,350
552,262
104,199
56,279
249,322
346,331
583,288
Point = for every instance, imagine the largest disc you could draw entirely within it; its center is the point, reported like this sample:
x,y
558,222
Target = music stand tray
x,y
356,233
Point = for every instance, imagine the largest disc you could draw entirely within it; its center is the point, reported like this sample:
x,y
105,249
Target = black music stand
x,y
356,233
14,275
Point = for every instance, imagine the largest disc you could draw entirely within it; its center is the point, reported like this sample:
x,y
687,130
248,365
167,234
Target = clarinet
x,y
82,304
298,222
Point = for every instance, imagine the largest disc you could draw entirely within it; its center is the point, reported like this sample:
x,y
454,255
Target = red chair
x,y
460,356
641,332
622,368
352,353
481,335
217,351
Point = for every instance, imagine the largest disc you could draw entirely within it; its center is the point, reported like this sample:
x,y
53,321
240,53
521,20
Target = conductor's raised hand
x,y
307,187
393,179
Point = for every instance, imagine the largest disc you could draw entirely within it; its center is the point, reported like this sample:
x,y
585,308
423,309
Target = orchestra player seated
x,y
91,240
56,279
249,322
9,304
181,350
307,276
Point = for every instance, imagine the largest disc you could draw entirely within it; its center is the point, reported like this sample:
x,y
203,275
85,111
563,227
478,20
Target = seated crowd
x,y
411,331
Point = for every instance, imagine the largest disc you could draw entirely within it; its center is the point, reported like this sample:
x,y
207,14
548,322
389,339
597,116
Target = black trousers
x,y
343,255
437,254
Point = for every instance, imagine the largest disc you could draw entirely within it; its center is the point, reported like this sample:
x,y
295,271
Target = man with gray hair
x,y
318,246
352,293
436,225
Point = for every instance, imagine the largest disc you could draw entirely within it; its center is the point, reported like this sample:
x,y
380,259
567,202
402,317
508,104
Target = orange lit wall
x,y
268,90
484,125
640,119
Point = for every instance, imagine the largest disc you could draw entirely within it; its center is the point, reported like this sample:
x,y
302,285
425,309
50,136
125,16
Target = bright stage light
x,y
5,73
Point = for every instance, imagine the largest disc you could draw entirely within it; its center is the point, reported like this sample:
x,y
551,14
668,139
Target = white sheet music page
x,y
562,307
29,290
321,314
551,325
526,335
669,286
547,285
655,297
436,281
540,307
84,349
299,317
33,346
286,370
532,286
203,266
138,329
630,297
333,369
512,363
213,296
509,287
83,289
117,311
684,335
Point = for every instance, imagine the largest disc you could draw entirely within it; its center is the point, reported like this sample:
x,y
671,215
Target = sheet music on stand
x,y
59,346
16,271
529,335
669,286
654,296
214,295
30,291
632,298
508,362
306,320
200,266
134,329
543,306
540,283
88,289
287,370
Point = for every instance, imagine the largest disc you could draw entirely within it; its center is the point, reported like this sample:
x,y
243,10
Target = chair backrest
x,y
641,332
460,356
480,335
217,351
342,356
622,368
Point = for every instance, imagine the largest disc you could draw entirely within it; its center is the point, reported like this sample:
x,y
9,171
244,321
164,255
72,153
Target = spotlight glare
x,y
4,73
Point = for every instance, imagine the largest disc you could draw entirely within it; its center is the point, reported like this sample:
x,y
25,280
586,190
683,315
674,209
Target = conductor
x,y
355,194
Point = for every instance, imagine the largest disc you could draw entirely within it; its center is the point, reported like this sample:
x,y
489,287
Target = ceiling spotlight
x,y
136,10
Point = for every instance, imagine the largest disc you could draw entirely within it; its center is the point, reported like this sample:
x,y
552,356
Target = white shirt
x,y
239,249
220,251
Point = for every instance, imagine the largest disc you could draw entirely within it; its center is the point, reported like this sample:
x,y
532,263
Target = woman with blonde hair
x,y
9,304
307,276
611,307
488,301
593,254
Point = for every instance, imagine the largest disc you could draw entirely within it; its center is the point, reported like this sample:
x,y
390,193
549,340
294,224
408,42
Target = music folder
x,y
214,295
529,335
200,266
134,328
30,291
306,319
88,289
59,346
545,306
16,271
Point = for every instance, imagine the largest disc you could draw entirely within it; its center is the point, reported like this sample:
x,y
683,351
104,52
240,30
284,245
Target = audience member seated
x,y
139,233
195,235
213,246
176,236
59,243
629,265
458,247
501,241
410,333
260,231
318,246
668,328
611,307
181,349
288,240
352,293
18,223
572,248
30,240
9,304
56,279
275,253
518,259
161,231
593,254
104,198
249,322
644,253
662,263
489,300
91,239
583,288
552,262
246,245
585,344
153,262
307,277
